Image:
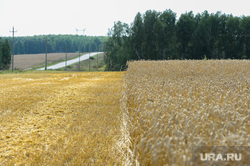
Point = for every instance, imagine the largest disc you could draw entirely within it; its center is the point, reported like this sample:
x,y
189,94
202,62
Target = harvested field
x,y
59,118
25,61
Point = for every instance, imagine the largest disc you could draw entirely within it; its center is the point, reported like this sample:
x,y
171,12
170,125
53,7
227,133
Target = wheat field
x,y
155,113
172,106
50,118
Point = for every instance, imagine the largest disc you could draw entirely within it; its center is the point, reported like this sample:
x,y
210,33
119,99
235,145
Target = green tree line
x,y
5,56
57,43
159,36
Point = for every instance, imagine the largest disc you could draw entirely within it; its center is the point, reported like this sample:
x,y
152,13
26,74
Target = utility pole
x,y
89,61
79,66
97,61
89,56
46,53
83,30
13,32
66,58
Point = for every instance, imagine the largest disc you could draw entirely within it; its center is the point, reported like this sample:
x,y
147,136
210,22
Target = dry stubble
x,y
59,118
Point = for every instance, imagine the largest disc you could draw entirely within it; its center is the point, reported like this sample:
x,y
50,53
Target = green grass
x,y
9,71
17,71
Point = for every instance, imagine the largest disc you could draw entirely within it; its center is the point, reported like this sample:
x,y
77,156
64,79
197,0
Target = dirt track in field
x,y
25,61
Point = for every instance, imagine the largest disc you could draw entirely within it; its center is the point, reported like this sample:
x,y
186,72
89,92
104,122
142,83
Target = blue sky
x,y
36,17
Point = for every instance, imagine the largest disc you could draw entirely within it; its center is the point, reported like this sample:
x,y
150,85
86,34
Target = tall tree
x,y
234,45
116,56
165,30
206,35
149,33
136,38
6,56
221,44
185,29
245,27
1,54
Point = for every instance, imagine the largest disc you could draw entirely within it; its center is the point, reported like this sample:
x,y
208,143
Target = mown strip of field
x,y
55,118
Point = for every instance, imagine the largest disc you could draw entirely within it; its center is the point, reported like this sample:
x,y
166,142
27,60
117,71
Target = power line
x,y
46,41
79,66
97,61
77,30
13,32
83,30
66,58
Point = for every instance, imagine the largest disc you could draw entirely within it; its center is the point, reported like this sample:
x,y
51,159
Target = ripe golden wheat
x,y
171,106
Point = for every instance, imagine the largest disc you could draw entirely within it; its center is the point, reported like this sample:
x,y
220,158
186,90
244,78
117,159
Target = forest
x,y
56,43
161,36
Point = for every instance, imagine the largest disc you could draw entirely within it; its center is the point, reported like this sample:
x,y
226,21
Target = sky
x,y
42,17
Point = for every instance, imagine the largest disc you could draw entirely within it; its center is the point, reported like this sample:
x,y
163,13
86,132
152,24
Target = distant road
x,y
70,62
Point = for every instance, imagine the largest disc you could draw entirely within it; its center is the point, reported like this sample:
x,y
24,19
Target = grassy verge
x,y
50,63
84,65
